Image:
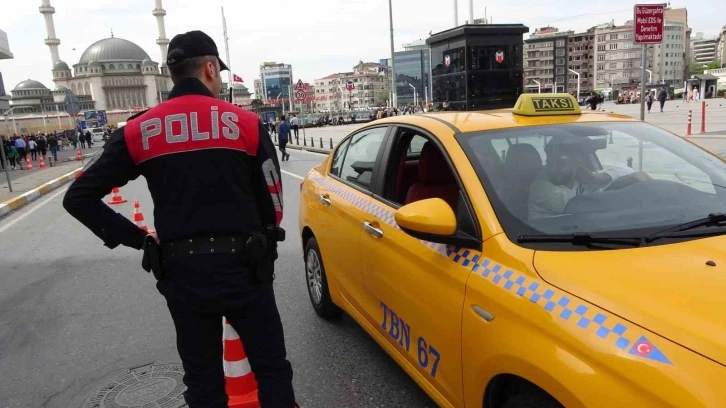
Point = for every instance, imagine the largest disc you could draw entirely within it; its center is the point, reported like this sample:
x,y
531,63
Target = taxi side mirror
x,y
431,219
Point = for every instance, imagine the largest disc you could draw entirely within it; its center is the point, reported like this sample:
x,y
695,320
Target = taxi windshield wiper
x,y
581,238
684,230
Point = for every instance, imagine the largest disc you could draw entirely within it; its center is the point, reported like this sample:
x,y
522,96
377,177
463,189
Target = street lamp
x,y
578,82
393,63
414,94
539,85
650,75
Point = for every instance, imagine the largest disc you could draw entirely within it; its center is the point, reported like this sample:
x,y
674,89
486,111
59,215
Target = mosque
x,y
111,74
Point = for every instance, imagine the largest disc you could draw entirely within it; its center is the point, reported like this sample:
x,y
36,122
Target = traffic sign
x,y
649,20
72,104
300,94
299,85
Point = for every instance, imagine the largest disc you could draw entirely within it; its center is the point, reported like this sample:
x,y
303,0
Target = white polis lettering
x,y
230,132
183,135
149,129
196,134
215,122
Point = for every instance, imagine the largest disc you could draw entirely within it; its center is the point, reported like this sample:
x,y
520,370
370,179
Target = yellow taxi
x,y
533,257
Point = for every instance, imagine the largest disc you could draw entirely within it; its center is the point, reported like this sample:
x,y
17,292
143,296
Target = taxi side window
x,y
338,157
360,157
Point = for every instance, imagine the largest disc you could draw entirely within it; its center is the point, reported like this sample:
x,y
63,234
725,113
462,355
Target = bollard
x,y
321,142
331,143
688,128
305,141
703,117
312,141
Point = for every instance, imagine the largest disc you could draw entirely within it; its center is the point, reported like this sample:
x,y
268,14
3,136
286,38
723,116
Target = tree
x,y
695,68
256,104
715,64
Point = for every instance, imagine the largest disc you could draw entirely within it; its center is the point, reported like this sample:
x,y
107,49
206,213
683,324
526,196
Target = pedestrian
x,y
696,95
33,147
295,125
82,140
20,148
283,136
42,146
13,155
217,235
662,96
89,139
53,146
649,101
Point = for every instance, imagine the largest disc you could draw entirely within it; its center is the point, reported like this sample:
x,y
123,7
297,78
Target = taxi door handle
x,y
325,200
376,232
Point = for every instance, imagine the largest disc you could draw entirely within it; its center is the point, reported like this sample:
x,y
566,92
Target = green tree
x,y
256,104
695,68
715,64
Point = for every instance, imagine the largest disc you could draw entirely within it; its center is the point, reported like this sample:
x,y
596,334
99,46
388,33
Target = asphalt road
x,y
74,314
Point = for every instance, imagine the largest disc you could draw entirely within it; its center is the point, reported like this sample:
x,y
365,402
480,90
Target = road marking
x,y
288,173
32,210
311,153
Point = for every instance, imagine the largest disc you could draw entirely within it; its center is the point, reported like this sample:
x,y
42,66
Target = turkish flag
x,y
235,78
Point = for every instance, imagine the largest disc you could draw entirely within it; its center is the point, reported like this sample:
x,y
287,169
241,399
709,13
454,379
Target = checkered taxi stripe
x,y
560,305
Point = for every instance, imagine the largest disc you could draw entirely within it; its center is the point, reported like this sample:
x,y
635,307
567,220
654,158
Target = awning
x,y
706,77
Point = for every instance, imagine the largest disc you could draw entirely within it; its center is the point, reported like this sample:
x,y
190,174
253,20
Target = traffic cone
x,y
116,197
42,162
78,154
241,383
28,163
139,217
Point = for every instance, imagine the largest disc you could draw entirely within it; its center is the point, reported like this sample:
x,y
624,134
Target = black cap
x,y
192,44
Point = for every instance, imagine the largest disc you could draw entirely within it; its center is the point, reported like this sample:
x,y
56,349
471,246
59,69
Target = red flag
x,y
235,78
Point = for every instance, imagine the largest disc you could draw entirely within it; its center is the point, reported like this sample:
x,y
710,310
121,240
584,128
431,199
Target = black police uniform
x,y
215,194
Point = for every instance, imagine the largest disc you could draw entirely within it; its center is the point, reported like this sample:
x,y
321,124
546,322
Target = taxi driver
x,y
564,177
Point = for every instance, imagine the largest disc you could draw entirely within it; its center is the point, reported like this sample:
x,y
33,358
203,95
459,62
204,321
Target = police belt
x,y
238,245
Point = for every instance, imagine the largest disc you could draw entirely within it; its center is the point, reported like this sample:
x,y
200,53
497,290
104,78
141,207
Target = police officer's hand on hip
x,y
214,177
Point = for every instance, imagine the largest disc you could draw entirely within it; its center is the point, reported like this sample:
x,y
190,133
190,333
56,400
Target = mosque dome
x,y
147,62
29,84
93,63
113,49
60,88
61,66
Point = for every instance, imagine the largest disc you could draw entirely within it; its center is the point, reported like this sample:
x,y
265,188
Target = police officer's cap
x,y
192,44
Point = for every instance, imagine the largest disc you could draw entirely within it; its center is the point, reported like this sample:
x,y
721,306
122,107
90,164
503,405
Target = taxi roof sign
x,y
546,105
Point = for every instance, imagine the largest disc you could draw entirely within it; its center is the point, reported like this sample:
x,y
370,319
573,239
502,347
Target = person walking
x,y
33,147
283,136
662,96
216,236
89,139
20,148
42,146
295,125
13,156
82,139
53,146
649,101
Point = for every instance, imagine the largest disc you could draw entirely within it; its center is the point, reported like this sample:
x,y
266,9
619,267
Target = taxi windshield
x,y
625,179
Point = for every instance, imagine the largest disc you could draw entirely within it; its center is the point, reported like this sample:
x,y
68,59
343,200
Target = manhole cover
x,y
149,386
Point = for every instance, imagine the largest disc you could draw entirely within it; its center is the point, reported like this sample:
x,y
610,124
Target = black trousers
x,y
295,129
199,291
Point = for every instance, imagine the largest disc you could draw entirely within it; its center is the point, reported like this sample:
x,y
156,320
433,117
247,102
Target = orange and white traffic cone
x,y
241,383
42,162
28,163
78,154
116,197
139,218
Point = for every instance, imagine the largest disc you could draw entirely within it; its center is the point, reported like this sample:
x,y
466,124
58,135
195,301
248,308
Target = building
x,y
240,94
276,80
721,47
680,15
580,49
258,89
703,50
31,96
371,83
413,71
545,61
4,54
669,57
617,58
113,73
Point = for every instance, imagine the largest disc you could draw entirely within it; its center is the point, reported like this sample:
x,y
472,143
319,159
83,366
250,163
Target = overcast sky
x,y
317,37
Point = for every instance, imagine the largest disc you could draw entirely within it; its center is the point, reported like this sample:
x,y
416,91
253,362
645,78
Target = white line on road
x,y
32,210
288,173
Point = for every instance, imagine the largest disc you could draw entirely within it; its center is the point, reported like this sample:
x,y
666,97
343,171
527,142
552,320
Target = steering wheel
x,y
626,181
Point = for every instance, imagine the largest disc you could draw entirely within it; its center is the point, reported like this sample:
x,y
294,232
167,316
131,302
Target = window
x,y
359,157
601,47
601,57
560,43
613,36
111,66
560,71
601,37
612,56
560,53
614,46
560,61
613,65
601,67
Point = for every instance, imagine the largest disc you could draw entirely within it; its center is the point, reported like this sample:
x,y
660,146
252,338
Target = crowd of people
x,y
18,147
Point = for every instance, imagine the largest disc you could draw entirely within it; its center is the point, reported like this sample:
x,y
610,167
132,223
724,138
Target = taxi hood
x,y
667,289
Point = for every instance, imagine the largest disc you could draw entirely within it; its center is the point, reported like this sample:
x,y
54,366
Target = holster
x,y
151,262
263,248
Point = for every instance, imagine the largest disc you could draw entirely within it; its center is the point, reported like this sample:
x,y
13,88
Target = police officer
x,y
214,177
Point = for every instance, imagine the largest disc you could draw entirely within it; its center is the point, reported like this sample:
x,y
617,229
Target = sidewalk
x,y
33,185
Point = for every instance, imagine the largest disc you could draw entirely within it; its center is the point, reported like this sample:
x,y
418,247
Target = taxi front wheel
x,y
317,282
532,400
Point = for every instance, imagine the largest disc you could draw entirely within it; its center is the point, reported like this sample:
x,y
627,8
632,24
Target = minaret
x,y
163,42
47,11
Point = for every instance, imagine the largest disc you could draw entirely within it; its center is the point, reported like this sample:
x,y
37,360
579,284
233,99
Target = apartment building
x,y
545,61
669,57
721,48
617,59
703,49
276,80
580,49
371,87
